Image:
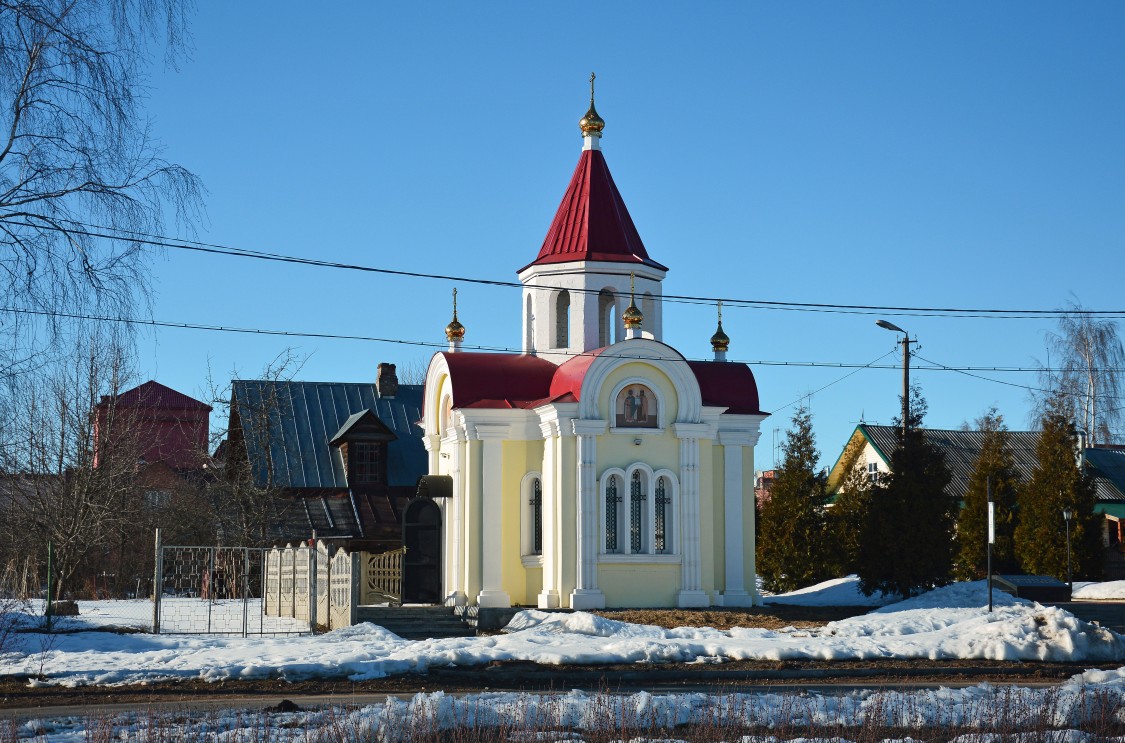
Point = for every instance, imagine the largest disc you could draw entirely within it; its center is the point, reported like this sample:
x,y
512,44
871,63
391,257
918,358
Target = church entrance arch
x,y
421,565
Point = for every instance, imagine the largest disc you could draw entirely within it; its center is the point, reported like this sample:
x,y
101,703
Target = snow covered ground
x,y
185,615
837,592
948,623
1113,589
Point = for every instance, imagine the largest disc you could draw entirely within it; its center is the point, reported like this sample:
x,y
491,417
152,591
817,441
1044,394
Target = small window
x,y
366,462
872,471
155,499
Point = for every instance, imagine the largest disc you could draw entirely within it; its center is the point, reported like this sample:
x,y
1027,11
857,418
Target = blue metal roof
x,y
1108,468
304,416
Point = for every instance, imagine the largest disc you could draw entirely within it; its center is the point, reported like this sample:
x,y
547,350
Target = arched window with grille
x,y
638,544
613,541
532,516
662,519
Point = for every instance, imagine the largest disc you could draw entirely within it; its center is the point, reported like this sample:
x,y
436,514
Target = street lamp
x,y
1068,514
905,369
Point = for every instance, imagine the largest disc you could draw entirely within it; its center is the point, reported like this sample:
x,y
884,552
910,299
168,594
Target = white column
x,y
491,510
549,594
734,580
691,565
453,447
586,594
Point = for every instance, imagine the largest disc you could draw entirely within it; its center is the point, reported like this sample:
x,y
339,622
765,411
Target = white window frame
x,y
648,517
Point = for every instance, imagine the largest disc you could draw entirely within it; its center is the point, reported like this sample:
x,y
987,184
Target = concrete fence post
x,y
157,583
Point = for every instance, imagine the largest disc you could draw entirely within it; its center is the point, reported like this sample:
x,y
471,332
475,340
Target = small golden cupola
x,y
455,331
720,342
632,317
591,124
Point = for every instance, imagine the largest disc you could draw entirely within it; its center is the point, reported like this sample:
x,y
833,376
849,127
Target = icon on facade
x,y
636,407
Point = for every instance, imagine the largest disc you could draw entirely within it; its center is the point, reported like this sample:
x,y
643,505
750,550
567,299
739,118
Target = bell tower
x,y
578,287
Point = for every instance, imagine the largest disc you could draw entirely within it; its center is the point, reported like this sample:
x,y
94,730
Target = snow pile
x,y
948,623
1107,591
836,592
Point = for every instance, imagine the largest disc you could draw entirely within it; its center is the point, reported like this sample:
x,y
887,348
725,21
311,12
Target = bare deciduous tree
x,y
248,498
74,482
1085,368
76,151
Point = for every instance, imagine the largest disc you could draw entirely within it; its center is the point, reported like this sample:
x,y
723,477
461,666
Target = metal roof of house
x,y
961,449
304,416
1107,465
153,394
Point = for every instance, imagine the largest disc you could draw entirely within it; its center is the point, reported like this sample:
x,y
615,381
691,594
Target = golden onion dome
x,y
632,316
591,123
720,341
454,331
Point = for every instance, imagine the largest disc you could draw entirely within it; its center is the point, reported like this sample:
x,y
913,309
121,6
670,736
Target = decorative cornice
x,y
589,427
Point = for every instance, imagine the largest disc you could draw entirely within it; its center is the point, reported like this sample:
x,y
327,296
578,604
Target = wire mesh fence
x,y
225,590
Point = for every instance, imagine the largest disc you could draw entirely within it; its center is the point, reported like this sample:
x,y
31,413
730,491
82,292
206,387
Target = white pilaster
x,y
691,566
454,448
549,593
734,580
586,594
492,592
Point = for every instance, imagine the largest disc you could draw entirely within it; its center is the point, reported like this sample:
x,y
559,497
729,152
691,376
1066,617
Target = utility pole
x,y
905,369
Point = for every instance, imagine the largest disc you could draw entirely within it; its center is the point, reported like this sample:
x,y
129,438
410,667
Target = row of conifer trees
x,y
903,533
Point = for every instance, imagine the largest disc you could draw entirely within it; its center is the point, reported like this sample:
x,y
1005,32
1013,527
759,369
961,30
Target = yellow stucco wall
x,y
518,458
639,585
748,521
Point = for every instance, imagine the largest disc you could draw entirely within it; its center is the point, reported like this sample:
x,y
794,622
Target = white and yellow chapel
x,y
598,467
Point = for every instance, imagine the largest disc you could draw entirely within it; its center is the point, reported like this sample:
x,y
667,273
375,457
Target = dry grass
x,y
1026,716
760,617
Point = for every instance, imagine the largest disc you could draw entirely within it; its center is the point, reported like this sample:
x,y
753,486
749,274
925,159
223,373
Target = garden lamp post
x,y
991,536
905,369
1068,514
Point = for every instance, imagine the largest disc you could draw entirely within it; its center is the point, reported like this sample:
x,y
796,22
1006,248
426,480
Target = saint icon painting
x,y
636,407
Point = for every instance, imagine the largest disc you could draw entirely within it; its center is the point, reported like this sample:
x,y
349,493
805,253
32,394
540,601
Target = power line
x,y
854,309
870,365
496,349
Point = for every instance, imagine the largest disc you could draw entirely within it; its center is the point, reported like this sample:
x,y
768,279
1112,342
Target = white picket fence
x,y
313,584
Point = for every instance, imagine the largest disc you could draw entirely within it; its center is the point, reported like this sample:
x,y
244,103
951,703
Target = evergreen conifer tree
x,y
995,464
793,546
1057,482
849,509
906,543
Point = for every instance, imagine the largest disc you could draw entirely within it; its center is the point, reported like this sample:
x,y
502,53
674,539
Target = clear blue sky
x,y
921,154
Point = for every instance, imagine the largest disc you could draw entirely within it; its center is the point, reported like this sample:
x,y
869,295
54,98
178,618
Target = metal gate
x,y
224,590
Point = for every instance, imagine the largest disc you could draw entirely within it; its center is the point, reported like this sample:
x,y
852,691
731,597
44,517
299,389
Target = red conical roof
x,y
592,223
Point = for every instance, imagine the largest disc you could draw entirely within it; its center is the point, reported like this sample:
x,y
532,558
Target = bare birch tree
x,y
78,159
1086,359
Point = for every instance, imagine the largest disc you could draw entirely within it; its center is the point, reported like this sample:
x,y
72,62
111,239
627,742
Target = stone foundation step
x,y
416,622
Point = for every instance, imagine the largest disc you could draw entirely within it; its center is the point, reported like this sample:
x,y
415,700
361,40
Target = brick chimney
x,y
387,381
